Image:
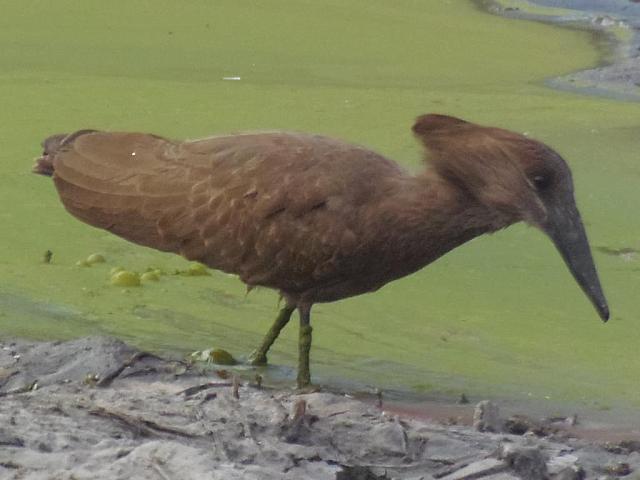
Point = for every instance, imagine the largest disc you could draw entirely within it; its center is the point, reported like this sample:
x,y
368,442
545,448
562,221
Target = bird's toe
x,y
310,388
257,358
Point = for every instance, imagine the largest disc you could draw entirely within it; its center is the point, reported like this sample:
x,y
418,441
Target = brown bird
x,y
316,218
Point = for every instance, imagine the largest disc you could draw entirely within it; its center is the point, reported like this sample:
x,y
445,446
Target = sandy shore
x,y
96,408
619,74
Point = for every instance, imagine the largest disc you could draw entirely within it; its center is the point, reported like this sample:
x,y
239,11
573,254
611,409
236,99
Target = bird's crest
x,y
489,163
434,123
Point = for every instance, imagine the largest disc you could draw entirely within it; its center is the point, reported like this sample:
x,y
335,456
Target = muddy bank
x,y
96,408
616,28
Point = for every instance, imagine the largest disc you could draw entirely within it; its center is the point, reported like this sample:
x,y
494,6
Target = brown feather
x,y
266,206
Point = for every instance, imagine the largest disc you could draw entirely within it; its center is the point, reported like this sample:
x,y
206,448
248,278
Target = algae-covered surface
x,y
499,316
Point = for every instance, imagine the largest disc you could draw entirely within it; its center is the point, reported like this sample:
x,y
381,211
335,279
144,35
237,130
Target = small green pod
x,y
196,270
221,357
155,270
124,278
149,277
95,258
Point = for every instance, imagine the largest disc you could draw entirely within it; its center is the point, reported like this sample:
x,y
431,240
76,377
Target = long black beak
x,y
565,228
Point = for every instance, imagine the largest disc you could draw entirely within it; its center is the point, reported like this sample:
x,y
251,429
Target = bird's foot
x,y
303,380
308,389
257,358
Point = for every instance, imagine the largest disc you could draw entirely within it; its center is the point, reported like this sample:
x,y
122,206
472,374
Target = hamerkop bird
x,y
313,217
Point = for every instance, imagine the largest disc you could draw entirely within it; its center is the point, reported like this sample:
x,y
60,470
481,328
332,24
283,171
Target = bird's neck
x,y
433,216
455,212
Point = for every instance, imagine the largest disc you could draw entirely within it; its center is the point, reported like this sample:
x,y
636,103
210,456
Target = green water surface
x,y
501,315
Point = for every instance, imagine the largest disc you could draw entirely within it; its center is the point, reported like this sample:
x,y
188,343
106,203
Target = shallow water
x,y
499,316
622,8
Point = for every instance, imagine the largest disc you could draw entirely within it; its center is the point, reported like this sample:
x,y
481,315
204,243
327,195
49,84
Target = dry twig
x,y
112,375
138,425
236,387
191,391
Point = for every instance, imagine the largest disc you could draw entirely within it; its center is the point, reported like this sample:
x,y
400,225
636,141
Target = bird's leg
x,y
259,355
304,346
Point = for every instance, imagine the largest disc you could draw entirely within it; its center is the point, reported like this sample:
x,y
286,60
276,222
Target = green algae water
x,y
500,315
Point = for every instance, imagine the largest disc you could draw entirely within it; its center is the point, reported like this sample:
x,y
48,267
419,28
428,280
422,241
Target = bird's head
x,y
518,177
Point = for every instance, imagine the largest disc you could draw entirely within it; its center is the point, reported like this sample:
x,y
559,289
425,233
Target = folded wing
x,y
278,209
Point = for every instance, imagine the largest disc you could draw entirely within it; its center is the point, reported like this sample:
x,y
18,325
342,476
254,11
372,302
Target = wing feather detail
x,y
266,206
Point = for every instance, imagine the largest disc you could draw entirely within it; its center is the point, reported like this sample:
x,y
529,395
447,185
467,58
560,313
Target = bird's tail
x,y
51,145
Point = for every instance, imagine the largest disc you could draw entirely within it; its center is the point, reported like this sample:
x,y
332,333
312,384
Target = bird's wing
x,y
278,209
124,183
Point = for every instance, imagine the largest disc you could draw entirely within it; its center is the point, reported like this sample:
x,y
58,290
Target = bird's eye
x,y
541,182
